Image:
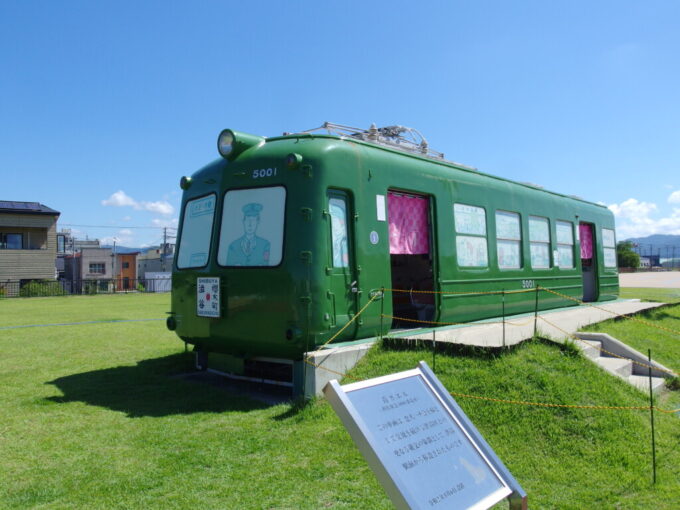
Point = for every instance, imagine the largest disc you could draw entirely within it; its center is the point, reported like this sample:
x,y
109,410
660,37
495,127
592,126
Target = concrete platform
x,y
555,324
331,363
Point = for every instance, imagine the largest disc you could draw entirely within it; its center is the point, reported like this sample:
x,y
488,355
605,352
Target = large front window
x,y
194,245
252,227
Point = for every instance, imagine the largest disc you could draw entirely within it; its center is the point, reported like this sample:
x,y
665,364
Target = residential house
x,y
126,271
90,269
65,247
155,260
28,241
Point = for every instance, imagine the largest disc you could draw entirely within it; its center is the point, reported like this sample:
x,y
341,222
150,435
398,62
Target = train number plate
x,y
208,297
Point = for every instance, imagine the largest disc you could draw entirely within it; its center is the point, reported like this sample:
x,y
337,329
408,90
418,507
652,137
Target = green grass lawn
x,y
658,295
664,343
93,416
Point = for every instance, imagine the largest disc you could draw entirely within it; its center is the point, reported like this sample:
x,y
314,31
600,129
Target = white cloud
x,y
674,198
121,199
127,218
636,219
157,222
160,207
124,237
633,209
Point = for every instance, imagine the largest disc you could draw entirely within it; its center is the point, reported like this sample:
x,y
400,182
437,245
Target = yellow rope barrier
x,y
478,293
567,406
499,400
455,323
337,334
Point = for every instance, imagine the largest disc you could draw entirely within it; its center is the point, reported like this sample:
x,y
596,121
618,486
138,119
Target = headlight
x,y
225,143
231,143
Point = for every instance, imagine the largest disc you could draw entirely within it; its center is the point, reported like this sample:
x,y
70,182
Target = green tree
x,y
626,256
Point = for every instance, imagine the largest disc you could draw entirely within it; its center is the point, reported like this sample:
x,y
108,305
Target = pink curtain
x,y
586,235
408,224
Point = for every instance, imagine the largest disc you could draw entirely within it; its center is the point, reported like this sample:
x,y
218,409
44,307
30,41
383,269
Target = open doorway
x,y
411,259
588,261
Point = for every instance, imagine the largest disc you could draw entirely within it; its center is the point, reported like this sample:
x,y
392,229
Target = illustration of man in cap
x,y
249,249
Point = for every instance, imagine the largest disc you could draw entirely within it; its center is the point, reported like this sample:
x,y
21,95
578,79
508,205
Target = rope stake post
x,y
434,350
536,313
382,311
651,416
503,314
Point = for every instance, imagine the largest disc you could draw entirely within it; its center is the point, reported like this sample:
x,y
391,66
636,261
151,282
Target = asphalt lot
x,y
659,280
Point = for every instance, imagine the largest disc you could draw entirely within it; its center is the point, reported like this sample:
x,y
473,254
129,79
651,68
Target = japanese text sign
x,y
423,449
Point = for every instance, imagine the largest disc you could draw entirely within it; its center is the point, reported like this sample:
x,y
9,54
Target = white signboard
x,y
381,215
469,219
208,297
608,238
471,251
424,450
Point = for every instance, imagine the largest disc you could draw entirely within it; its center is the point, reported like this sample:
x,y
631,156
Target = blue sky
x,y
105,105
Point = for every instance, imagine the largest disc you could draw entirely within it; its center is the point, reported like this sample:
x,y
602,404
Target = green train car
x,y
283,240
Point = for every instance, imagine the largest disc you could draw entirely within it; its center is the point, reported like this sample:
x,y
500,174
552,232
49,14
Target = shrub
x,y
90,288
38,288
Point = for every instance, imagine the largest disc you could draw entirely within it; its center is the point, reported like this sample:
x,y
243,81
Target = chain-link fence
x,y
90,286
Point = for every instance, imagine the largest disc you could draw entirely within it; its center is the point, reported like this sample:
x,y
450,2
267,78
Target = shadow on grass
x,y
159,387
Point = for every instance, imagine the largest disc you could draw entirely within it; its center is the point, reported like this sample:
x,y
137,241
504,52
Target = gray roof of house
x,y
25,208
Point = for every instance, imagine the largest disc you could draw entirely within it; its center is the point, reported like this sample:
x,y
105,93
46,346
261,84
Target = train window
x,y
609,244
337,207
539,242
471,247
565,244
194,245
508,240
251,233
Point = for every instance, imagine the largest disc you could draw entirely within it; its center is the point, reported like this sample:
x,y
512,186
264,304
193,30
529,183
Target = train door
x,y
411,259
341,269
588,261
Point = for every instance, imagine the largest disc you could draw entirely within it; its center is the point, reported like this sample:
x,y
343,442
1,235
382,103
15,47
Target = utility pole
x,y
165,243
113,265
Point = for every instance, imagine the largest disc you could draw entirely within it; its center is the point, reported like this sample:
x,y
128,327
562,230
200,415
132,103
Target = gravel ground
x,y
665,280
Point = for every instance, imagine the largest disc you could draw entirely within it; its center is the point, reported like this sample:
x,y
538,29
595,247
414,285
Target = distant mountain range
x,y
666,246
126,249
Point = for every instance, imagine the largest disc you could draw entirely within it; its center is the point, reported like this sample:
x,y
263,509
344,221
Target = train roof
x,y
424,157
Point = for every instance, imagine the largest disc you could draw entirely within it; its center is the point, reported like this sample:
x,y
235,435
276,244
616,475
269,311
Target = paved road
x,y
659,280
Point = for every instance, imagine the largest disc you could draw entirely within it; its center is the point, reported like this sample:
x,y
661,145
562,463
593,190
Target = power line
x,y
113,226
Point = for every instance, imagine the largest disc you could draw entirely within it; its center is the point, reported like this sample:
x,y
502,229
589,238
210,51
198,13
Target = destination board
x,y
421,446
208,297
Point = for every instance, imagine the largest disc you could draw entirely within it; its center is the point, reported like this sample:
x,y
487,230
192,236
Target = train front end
x,y
238,288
